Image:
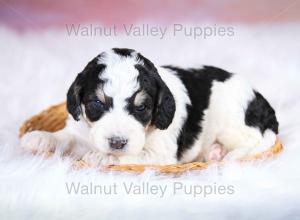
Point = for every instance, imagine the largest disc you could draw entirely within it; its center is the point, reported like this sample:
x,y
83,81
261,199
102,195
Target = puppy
x,y
125,110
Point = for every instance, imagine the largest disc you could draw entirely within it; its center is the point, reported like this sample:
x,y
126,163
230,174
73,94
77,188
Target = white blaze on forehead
x,y
120,76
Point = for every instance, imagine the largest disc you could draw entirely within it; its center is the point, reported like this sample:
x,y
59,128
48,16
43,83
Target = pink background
x,y
36,14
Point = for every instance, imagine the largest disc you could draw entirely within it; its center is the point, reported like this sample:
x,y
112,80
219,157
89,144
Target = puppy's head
x,y
119,95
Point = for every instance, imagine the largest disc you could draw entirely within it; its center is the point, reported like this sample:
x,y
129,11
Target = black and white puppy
x,y
127,110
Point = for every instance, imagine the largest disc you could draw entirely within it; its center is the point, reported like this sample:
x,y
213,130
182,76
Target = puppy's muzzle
x,y
117,143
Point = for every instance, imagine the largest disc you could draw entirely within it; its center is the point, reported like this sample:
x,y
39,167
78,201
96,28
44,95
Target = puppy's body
x,y
129,111
223,109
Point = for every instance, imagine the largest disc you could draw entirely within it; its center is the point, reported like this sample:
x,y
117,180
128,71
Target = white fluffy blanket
x,y
36,69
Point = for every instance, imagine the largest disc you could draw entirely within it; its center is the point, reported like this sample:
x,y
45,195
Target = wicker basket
x,y
54,119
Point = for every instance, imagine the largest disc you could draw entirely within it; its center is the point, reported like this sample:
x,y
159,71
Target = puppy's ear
x,y
165,103
165,107
73,97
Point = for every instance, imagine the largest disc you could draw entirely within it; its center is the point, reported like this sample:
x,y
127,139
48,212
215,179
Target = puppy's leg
x,y
246,141
62,141
41,142
238,142
237,154
96,159
268,140
158,150
146,157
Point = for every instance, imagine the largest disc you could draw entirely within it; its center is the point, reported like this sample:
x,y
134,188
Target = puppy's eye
x,y
97,104
140,108
94,109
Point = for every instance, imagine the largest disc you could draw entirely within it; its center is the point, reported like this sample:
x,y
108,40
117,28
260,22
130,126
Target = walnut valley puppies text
x,y
148,189
147,30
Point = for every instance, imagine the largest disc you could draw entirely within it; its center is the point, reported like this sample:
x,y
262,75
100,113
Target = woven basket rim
x,y
54,118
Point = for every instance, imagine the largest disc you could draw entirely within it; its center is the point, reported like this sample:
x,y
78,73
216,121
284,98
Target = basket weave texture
x,y
54,119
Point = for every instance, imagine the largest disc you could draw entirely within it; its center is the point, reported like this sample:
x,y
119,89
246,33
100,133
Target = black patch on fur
x,y
123,51
82,91
261,115
198,83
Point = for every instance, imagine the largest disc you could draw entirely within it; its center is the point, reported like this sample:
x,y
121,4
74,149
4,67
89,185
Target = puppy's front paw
x,y
128,160
96,159
39,142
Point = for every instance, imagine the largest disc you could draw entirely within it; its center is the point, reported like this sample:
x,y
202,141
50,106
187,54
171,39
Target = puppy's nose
x,y
117,142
